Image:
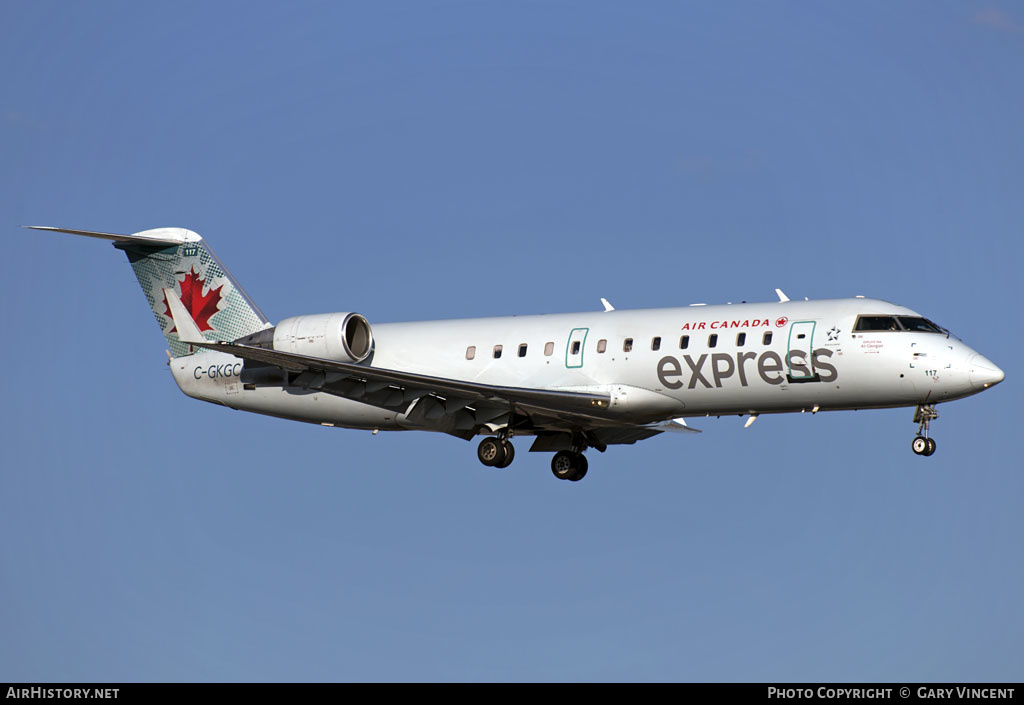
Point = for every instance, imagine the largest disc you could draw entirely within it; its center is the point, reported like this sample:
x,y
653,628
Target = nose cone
x,y
984,373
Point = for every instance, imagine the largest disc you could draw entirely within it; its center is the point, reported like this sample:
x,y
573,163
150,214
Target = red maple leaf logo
x,y
200,307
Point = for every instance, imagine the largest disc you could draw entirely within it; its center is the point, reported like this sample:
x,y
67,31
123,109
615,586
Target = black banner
x,y
778,692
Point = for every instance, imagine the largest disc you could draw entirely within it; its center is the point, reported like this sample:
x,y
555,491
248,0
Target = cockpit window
x,y
919,325
872,323
912,324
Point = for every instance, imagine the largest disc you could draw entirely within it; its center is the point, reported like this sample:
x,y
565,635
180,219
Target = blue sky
x,y
430,160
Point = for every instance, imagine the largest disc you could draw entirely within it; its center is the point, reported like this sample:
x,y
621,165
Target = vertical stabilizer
x,y
211,296
181,261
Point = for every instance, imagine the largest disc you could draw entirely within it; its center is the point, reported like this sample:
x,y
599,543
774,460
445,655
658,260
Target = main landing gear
x,y
569,465
923,445
496,452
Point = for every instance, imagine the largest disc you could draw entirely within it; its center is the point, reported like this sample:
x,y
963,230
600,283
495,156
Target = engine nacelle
x,y
345,337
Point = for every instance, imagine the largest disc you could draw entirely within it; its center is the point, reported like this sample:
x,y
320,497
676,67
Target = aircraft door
x,y
799,358
574,348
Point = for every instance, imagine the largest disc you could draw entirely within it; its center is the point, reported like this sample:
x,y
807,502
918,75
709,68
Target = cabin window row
x,y
627,345
549,350
684,342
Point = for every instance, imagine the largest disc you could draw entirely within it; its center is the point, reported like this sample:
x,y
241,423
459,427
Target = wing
x,y
426,399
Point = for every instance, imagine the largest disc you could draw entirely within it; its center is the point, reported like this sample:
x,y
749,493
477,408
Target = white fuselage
x,y
655,364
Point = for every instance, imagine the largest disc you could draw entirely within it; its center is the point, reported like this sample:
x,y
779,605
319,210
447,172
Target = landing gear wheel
x,y
510,454
491,452
581,468
931,446
570,466
921,445
563,465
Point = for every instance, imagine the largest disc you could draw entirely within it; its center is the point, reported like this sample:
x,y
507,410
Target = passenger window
x,y
497,351
470,352
549,348
684,342
602,345
522,350
741,339
575,350
656,343
713,340
876,323
627,345
767,338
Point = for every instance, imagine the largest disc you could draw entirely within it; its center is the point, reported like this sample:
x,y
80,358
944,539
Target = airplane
x,y
574,381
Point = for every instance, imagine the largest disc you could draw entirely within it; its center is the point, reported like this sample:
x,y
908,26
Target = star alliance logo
x,y
833,334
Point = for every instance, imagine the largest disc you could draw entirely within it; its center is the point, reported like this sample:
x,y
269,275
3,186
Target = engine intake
x,y
345,337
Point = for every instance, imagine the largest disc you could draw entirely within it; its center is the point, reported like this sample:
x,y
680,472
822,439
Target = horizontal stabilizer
x,y
167,237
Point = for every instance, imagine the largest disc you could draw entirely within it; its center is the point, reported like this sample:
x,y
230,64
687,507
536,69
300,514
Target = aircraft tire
x,y
920,445
491,452
931,446
510,454
563,465
581,468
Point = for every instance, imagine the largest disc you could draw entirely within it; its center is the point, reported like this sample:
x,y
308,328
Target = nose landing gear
x,y
923,446
923,415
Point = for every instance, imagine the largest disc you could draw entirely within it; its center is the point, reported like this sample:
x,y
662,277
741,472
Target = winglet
x,y
607,306
188,331
782,297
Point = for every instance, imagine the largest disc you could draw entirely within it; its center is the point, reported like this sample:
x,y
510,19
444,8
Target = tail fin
x,y
179,260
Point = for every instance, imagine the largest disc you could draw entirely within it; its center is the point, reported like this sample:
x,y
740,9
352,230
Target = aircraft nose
x,y
984,373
